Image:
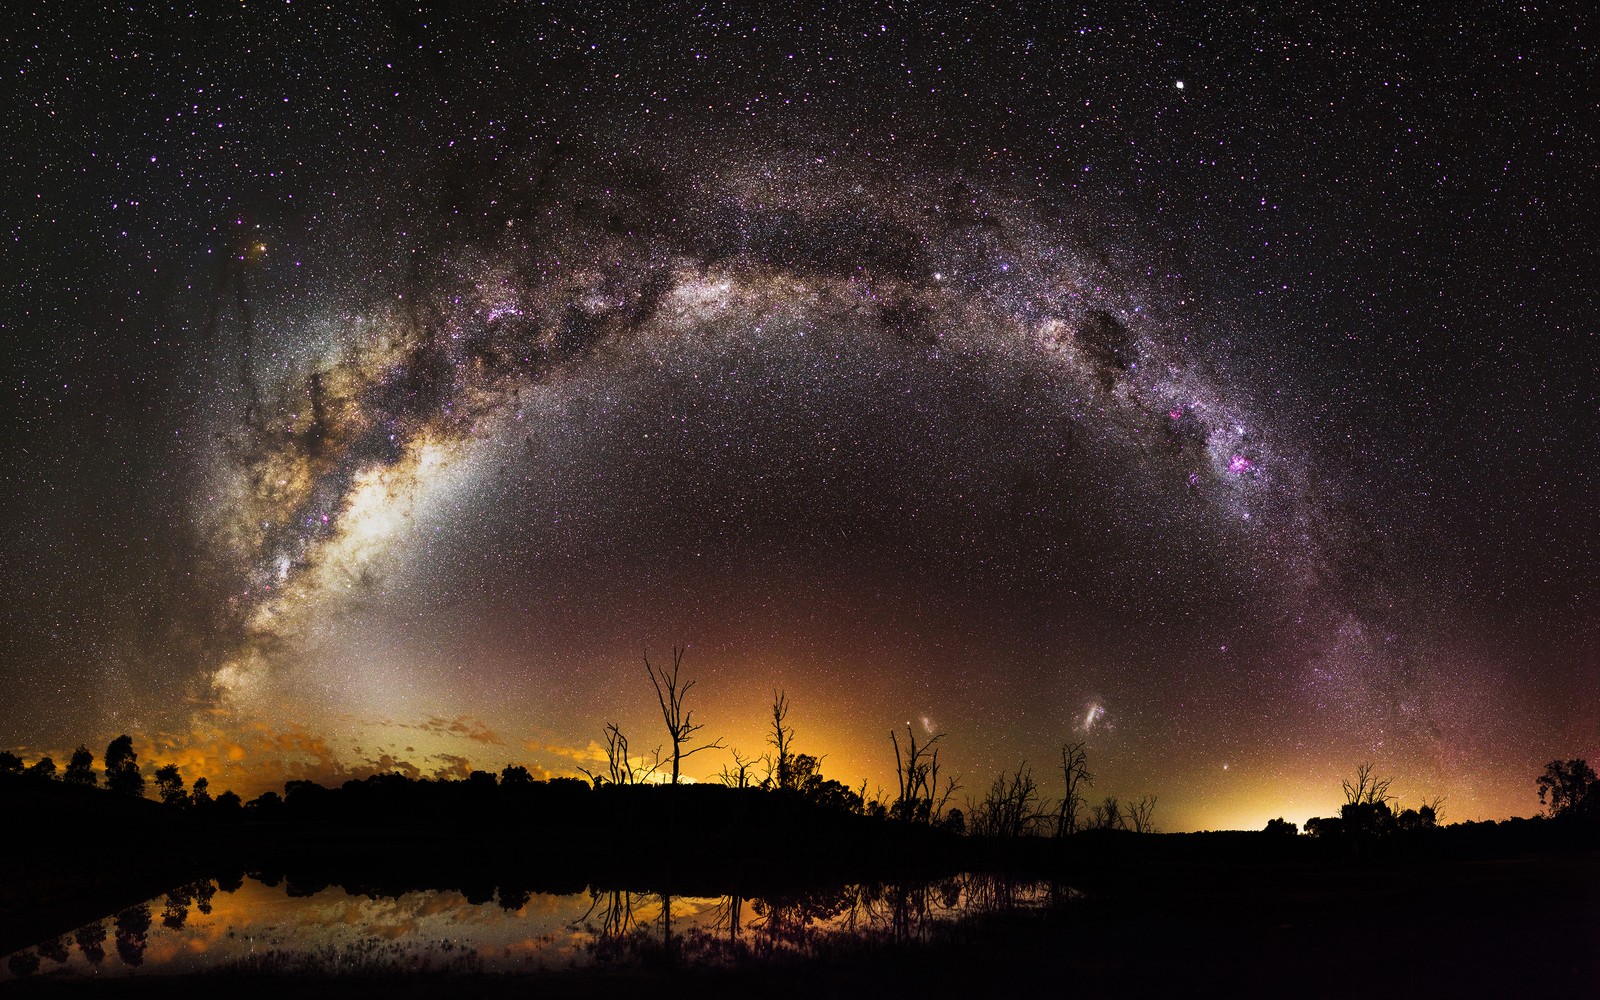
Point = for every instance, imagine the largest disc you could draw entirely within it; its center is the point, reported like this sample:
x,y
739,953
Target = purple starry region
x,y
383,380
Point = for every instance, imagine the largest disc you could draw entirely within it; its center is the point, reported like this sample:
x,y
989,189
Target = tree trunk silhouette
x,y
917,771
1075,772
671,691
780,740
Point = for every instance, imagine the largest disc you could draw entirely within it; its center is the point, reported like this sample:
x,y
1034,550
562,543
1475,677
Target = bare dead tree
x,y
620,766
1433,809
1011,807
781,740
1139,815
1107,815
941,800
872,805
737,776
1367,789
671,690
1075,771
921,800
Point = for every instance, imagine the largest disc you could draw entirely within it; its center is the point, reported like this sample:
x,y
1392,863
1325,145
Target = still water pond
x,y
252,926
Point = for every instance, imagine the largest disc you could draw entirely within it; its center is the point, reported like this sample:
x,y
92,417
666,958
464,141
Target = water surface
x,y
259,926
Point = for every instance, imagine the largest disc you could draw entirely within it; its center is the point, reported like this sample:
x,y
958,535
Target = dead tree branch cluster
x,y
921,799
671,690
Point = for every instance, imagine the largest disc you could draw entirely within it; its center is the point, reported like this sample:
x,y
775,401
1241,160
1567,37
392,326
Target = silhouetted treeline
x,y
645,828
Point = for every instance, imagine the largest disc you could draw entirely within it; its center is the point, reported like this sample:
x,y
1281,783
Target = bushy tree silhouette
x,y
228,806
169,786
10,763
1568,788
266,806
80,769
122,767
42,769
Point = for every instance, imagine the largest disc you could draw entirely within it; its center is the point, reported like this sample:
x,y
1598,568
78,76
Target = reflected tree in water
x,y
133,934
55,949
91,940
729,917
611,920
175,912
991,892
513,899
203,890
789,922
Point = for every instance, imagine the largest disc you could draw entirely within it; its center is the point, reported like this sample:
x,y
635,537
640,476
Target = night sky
x,y
382,381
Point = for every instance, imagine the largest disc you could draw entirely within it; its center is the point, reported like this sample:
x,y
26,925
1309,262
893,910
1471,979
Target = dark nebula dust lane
x,y
388,378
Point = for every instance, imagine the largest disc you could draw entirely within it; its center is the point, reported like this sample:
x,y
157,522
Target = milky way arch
x,y
492,299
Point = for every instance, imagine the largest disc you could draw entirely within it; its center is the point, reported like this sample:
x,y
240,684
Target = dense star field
x,y
384,380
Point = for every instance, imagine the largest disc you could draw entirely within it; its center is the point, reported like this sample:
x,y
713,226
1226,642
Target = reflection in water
x,y
267,926
91,939
133,929
196,894
54,949
636,927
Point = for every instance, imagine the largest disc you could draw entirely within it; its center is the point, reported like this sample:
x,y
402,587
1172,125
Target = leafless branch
x,y
671,691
